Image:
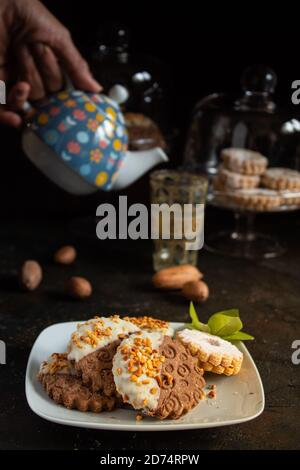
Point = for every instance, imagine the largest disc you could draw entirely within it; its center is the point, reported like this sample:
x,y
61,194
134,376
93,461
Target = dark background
x,y
204,50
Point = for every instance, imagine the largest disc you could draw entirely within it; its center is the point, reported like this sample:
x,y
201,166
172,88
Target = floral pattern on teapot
x,y
86,131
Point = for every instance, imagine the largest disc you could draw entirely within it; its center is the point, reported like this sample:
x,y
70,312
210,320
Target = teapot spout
x,y
136,164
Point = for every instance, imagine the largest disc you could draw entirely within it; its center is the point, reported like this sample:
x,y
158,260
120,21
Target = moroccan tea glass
x,y
170,187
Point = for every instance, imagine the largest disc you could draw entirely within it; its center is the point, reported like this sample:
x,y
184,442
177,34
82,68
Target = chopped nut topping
x,y
213,391
153,391
142,360
148,323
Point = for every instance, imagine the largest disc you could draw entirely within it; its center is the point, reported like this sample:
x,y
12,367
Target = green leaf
x,y
238,336
224,325
232,312
196,323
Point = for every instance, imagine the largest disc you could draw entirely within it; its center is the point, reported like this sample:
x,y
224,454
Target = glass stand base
x,y
251,246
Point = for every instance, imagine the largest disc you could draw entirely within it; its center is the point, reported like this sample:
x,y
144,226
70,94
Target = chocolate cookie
x,y
157,375
65,387
151,324
143,133
92,348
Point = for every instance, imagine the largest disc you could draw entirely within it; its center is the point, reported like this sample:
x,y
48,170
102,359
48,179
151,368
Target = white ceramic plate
x,y
239,398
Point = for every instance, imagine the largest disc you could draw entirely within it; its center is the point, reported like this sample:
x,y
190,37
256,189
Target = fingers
x,y
75,66
17,96
29,73
48,67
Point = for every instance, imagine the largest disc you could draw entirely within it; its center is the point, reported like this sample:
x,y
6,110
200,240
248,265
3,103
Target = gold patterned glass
x,y
176,187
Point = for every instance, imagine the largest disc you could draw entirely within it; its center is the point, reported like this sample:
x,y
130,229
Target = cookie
x,y
151,325
259,199
214,354
61,382
281,178
290,198
143,133
92,348
233,180
157,375
246,162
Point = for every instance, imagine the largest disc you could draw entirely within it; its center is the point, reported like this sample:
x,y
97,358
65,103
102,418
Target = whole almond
x,y
176,276
196,291
65,255
31,275
78,287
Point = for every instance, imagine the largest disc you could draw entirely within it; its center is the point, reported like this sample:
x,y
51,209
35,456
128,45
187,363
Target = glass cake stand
x,y
243,241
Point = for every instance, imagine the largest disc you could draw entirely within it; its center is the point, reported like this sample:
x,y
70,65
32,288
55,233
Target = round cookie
x,y
61,382
157,375
92,348
233,180
281,178
214,354
244,161
259,199
290,198
152,325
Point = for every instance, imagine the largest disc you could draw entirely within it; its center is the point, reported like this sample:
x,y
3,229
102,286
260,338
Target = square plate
x,y
239,398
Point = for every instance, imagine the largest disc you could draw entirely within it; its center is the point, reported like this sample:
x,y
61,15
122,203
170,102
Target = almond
x,y
65,255
78,287
31,275
197,291
176,276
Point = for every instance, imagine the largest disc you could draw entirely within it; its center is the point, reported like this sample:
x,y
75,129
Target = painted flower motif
x,y
90,107
93,124
63,95
79,114
43,118
117,145
96,155
82,137
112,113
73,147
95,98
51,137
101,178
70,103
100,117
54,111
62,127
103,143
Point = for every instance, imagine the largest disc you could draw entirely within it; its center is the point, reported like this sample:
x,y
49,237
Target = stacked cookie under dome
x,y
112,362
245,181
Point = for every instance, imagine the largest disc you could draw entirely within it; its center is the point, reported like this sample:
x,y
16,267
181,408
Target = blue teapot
x,y
79,141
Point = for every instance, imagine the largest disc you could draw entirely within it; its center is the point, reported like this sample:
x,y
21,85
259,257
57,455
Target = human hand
x,y
34,46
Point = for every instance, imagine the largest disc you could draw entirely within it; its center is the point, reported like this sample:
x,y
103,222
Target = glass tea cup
x,y
177,217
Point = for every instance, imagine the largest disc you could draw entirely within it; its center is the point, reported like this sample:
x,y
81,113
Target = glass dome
x,y
249,119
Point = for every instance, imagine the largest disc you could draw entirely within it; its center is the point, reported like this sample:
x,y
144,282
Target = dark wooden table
x,y
267,293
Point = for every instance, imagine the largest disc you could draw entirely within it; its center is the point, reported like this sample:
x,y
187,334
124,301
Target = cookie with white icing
x,y
233,180
214,354
63,385
152,325
290,198
281,178
92,348
157,375
259,199
244,161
